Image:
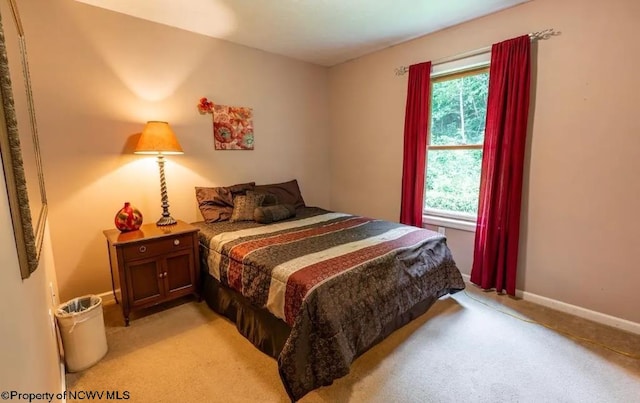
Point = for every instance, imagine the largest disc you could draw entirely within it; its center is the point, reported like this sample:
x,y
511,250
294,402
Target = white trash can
x,y
81,326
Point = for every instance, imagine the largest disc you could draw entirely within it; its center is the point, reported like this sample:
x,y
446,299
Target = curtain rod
x,y
534,36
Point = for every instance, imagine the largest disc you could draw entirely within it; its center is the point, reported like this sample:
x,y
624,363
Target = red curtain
x,y
495,256
416,123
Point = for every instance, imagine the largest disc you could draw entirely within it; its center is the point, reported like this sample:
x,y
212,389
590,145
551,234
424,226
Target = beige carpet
x,y
459,351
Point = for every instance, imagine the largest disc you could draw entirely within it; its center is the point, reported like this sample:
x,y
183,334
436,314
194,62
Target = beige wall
x,y
28,348
99,76
579,235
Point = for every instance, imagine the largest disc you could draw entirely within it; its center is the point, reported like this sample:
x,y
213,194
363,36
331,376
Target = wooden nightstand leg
x,y
113,284
125,313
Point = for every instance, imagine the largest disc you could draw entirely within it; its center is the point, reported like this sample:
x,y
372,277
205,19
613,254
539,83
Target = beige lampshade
x,y
158,138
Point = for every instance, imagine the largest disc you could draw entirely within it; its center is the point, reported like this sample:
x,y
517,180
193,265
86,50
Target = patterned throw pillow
x,y
269,214
243,207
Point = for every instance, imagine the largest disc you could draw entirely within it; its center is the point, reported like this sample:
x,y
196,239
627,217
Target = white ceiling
x,y
325,32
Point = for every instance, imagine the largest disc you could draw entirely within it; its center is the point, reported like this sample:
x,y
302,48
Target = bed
x,y
318,288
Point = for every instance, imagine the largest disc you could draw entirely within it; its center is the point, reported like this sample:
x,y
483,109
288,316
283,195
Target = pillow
x,y
243,207
269,214
269,199
216,204
285,193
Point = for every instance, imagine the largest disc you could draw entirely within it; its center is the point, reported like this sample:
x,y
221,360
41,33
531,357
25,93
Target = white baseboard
x,y
623,324
599,317
107,298
579,311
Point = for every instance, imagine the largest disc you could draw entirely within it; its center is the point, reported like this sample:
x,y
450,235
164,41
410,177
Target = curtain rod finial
x,y
402,70
544,34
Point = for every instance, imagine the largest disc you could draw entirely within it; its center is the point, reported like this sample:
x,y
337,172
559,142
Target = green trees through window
x,y
454,157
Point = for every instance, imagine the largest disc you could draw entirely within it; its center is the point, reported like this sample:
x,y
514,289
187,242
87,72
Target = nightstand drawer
x,y
158,247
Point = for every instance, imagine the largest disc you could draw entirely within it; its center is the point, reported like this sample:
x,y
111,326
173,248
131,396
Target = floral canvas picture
x,y
232,127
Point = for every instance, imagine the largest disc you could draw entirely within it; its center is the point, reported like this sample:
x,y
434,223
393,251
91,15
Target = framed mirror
x,y
19,146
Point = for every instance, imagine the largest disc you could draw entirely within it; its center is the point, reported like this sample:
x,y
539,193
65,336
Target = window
x,y
456,135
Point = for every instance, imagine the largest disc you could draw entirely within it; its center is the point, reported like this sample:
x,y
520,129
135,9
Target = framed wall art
x,y
19,145
232,125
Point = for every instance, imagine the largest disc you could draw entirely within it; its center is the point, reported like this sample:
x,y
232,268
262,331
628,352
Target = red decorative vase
x,y
128,218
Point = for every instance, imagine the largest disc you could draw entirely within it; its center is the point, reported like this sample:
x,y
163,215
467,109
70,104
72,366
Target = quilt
x,y
341,282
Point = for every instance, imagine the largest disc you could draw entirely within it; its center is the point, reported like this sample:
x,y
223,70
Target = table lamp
x,y
157,138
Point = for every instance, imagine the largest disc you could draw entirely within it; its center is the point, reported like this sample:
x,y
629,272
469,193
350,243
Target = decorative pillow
x,y
269,214
285,193
243,207
216,204
269,199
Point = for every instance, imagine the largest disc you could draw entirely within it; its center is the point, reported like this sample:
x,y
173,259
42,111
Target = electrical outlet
x,y
441,230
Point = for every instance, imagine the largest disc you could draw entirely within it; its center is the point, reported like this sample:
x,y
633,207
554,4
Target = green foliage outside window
x,y
458,117
453,180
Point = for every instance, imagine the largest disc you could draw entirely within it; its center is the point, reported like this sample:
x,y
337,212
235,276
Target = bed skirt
x,y
257,325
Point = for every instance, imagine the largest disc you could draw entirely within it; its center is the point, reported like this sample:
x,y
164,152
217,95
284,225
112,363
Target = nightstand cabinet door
x,y
180,274
143,281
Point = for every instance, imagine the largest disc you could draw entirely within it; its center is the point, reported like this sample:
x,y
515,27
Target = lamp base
x,y
168,220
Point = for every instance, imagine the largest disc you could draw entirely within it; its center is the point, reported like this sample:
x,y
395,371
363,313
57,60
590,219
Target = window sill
x,y
469,226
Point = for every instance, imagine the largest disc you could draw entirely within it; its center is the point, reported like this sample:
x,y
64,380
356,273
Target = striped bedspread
x,y
340,281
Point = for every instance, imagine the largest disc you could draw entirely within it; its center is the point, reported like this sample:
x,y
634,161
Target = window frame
x,y
476,64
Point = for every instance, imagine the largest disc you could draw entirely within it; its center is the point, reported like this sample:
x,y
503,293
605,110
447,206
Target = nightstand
x,y
153,265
